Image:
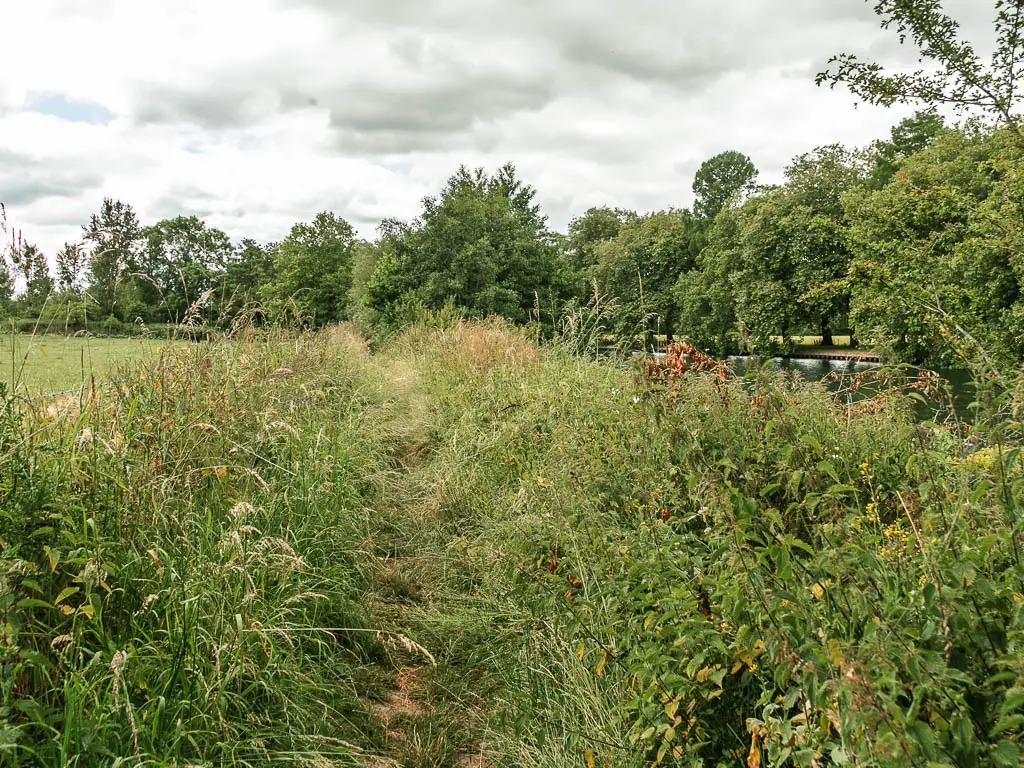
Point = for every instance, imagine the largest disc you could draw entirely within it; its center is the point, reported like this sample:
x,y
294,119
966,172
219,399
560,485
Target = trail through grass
x,y
449,554
472,549
427,719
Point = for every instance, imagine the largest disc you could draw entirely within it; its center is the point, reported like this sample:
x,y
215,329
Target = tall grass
x,y
704,572
475,549
181,571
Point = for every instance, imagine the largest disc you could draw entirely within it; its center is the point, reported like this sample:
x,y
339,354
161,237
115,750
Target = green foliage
x,y
604,570
777,263
909,136
180,580
586,233
589,230
364,262
482,244
312,271
179,267
640,265
6,286
31,265
936,274
69,267
958,75
740,570
720,181
114,238
66,312
10,243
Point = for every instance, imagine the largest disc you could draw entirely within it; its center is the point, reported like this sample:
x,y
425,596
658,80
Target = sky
x,y
256,114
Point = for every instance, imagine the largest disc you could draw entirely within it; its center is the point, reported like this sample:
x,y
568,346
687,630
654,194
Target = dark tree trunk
x,y
826,336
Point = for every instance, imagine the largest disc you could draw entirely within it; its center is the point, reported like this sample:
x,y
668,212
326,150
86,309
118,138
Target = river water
x,y
838,373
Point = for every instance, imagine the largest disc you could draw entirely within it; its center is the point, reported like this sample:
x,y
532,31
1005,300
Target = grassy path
x,y
473,550
425,718
484,672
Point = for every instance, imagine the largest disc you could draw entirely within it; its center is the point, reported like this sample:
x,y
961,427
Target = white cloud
x,y
257,114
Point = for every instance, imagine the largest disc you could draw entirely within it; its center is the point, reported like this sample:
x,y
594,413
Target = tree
x,y
586,233
312,270
181,262
248,270
365,257
771,251
31,265
937,273
705,297
482,245
6,284
937,318
909,136
814,216
720,180
115,237
641,265
595,226
959,77
10,248
70,264
777,264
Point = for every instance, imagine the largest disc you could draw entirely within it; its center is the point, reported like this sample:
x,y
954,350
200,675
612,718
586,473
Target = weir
x,y
854,357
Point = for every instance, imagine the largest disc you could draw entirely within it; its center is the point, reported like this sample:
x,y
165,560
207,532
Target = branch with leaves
x,y
957,75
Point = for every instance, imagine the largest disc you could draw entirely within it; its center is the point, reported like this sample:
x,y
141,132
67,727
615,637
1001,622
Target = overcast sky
x,y
256,114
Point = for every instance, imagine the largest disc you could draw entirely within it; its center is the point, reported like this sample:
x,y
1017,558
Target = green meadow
x,y
43,364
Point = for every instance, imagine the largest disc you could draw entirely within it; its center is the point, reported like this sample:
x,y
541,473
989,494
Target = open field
x,y
470,549
36,364
815,341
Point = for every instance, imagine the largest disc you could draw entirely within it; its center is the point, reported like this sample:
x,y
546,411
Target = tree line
x,y
909,246
883,243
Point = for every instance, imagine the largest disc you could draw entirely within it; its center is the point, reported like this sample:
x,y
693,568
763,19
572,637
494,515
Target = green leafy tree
x,y
943,214
641,265
33,269
957,75
365,257
772,248
180,266
481,245
70,266
909,136
937,274
247,271
6,285
10,248
705,295
115,240
586,233
777,264
312,270
721,179
814,217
